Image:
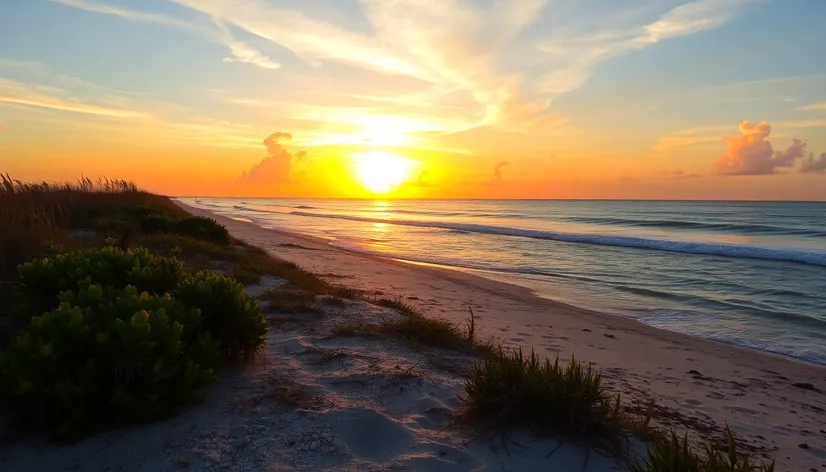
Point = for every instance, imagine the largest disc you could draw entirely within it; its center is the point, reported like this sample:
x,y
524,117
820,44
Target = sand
x,y
375,404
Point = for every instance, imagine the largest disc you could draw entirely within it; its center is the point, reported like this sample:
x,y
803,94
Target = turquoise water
x,y
746,273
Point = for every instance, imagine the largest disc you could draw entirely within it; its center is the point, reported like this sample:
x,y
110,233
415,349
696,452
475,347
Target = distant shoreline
x,y
379,198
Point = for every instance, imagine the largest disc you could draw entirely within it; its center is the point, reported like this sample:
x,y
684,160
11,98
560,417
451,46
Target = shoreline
x,y
695,383
507,289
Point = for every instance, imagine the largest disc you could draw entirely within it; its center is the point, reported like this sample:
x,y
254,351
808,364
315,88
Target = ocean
x,y
751,274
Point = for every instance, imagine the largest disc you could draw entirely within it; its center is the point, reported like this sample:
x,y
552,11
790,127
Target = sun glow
x,y
381,172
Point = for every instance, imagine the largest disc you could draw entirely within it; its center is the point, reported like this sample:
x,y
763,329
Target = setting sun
x,y
381,172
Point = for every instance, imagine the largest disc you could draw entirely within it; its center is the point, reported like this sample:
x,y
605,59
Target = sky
x,y
642,99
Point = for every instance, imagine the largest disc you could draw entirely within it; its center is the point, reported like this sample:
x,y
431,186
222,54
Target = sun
x,y
381,172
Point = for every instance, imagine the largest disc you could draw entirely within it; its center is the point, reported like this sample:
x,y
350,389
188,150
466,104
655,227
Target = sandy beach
x,y
318,401
775,404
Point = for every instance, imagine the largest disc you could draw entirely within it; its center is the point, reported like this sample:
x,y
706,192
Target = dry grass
x,y
285,392
289,300
32,214
421,330
352,328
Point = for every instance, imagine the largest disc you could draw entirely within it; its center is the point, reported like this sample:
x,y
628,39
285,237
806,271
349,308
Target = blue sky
x,y
638,88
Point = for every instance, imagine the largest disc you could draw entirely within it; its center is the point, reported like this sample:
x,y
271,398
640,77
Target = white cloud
x,y
814,107
17,93
241,52
508,78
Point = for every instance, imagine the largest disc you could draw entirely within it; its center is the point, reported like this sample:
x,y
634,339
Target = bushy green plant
x,y
514,391
126,336
105,356
676,455
233,317
201,227
43,279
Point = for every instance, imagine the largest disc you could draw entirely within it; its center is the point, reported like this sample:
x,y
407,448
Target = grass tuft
x,y
289,300
676,455
512,391
421,330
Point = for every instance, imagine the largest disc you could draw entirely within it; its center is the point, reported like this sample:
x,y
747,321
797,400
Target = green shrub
x,y
233,317
43,279
201,227
513,391
126,336
676,455
105,356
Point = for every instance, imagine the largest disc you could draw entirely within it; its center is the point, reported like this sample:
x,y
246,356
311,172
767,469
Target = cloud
x,y
14,92
497,172
812,164
752,153
126,13
488,63
786,158
680,175
748,154
578,56
310,39
483,50
814,107
277,167
245,54
241,52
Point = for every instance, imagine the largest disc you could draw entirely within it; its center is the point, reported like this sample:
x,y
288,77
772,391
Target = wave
x,y
243,208
688,247
681,224
675,320
304,207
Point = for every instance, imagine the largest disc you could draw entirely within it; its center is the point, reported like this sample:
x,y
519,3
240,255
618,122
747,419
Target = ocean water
x,y
747,273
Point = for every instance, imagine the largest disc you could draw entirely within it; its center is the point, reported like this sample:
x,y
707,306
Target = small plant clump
x,y
202,228
676,455
512,391
119,336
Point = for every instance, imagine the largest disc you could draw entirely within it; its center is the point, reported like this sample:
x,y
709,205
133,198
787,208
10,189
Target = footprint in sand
x,y
371,435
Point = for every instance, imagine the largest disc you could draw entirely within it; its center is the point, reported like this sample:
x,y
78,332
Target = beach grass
x,y
675,454
289,301
513,391
422,330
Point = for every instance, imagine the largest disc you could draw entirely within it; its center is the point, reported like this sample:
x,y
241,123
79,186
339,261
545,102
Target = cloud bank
x,y
277,167
751,153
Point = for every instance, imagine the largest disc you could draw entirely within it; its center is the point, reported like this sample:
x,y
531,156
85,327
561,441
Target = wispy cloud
x,y
470,64
241,52
22,94
129,14
577,56
474,51
814,107
309,38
